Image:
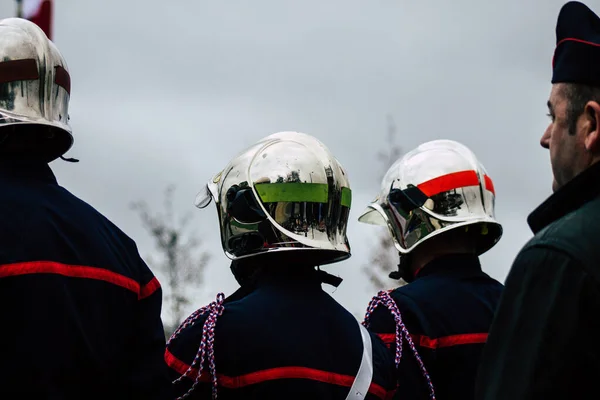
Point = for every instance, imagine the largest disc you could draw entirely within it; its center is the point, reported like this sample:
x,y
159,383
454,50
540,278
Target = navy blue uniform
x,y
286,339
448,310
80,310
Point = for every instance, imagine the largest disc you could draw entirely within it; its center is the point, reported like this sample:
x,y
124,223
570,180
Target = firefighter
x,y
80,309
542,342
283,207
438,203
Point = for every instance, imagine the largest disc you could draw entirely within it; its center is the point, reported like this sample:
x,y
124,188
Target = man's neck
x,y
427,255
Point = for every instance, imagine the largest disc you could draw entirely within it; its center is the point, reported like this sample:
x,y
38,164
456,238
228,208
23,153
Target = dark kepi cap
x,y
577,54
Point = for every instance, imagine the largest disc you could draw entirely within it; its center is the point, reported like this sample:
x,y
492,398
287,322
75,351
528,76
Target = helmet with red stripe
x,y
34,92
435,188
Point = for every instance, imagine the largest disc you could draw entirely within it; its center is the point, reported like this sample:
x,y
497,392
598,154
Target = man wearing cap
x,y
80,310
543,342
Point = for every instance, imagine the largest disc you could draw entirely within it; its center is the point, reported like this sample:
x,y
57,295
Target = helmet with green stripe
x,y
285,193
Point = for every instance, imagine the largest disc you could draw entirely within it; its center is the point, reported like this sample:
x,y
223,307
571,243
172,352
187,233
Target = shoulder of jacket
x,y
572,234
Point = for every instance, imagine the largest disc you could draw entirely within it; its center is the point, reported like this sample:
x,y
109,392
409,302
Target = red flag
x,y
40,13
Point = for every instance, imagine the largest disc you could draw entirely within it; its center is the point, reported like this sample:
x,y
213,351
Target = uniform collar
x,y
291,278
27,170
452,264
580,190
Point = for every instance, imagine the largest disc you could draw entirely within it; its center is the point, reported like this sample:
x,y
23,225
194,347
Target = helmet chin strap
x,y
403,271
329,279
73,160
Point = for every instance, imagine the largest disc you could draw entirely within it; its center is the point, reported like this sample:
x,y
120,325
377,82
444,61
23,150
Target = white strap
x,y
363,379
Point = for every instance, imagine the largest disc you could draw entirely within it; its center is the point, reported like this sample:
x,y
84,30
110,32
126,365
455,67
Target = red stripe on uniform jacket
x,y
388,338
444,341
79,271
253,378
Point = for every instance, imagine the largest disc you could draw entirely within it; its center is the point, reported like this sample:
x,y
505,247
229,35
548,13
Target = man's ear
x,y
592,116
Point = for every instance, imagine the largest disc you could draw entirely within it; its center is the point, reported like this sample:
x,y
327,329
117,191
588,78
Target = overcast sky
x,y
168,91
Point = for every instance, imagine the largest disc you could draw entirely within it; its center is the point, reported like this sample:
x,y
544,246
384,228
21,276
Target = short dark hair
x,y
577,96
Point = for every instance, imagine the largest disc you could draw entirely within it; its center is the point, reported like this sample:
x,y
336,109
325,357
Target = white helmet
x,y
286,193
34,88
437,187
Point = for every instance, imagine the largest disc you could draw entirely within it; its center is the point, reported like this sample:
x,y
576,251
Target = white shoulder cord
x,y
362,382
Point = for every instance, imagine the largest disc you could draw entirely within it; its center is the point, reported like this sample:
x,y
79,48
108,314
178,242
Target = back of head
x,y
438,190
34,94
283,201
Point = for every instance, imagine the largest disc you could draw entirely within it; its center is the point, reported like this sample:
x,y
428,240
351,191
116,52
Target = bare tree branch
x,y
179,256
384,256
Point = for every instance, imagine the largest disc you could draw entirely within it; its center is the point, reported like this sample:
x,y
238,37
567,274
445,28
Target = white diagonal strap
x,y
362,382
